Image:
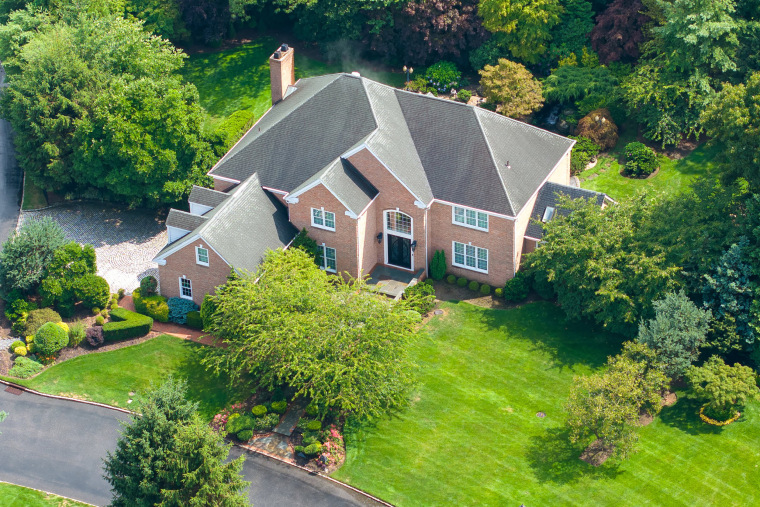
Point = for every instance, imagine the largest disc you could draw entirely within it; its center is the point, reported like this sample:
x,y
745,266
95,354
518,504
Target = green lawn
x,y
34,197
238,78
18,496
108,377
471,436
674,176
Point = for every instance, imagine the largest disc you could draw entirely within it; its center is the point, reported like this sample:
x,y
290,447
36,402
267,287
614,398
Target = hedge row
x,y
125,325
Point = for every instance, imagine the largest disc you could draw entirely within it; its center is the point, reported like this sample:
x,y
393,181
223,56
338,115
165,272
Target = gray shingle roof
x,y
549,196
437,148
184,220
207,196
244,227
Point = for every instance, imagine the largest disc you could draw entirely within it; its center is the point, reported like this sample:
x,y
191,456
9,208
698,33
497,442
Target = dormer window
x,y
470,218
201,255
323,219
548,214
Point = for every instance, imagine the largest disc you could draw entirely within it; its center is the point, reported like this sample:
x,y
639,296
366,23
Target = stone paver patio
x,y
125,240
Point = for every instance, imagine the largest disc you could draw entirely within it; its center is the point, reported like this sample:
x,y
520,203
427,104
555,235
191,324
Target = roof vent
x,y
508,166
277,55
284,47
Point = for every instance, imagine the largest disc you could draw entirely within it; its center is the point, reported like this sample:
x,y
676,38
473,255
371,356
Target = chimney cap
x,y
284,47
277,55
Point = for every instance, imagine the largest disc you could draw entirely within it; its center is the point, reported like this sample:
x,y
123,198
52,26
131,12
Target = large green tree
x,y
167,456
526,24
98,110
333,341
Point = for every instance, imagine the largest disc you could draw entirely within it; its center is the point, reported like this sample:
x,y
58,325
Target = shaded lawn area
x,y
674,176
34,197
471,435
18,496
109,377
237,79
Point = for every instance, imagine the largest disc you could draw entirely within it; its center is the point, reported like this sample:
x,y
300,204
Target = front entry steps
x,y
391,281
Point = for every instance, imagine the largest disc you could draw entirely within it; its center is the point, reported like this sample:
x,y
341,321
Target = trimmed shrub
x,y
314,425
461,281
120,294
499,292
96,311
485,289
24,367
154,306
517,288
312,410
237,424
473,286
266,422
584,151
420,297
452,279
100,320
438,265
464,95
208,307
640,160
179,308
125,325
17,343
92,290
259,410
148,286
94,336
194,320
104,313
50,338
20,351
63,326
279,407
443,76
37,318
309,440
76,334
245,435
309,450
599,127
30,348
30,338
113,306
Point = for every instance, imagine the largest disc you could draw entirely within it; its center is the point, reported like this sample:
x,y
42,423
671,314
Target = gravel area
x,y
125,241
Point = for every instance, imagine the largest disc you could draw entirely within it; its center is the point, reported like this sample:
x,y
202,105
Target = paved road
x,y
10,178
58,446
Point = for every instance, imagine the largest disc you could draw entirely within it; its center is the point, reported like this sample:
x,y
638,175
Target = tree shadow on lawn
x,y
684,415
553,458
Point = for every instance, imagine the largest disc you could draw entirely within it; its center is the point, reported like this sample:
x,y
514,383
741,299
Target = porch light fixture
x,y
414,245
379,237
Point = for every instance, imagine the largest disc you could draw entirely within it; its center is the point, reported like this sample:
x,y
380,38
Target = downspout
x,y
426,243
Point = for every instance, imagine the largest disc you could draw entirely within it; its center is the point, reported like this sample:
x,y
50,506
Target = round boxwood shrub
x,y
312,410
16,344
63,326
194,320
464,95
461,281
499,292
314,425
266,422
50,338
310,450
451,279
640,160
279,407
473,286
92,290
517,288
245,435
259,410
148,286
485,289
37,318
20,351
237,424
100,320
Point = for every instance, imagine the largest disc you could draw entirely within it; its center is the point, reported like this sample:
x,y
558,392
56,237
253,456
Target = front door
x,y
399,251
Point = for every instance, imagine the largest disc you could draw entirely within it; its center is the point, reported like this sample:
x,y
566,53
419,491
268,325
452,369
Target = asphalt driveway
x,y
58,446
10,178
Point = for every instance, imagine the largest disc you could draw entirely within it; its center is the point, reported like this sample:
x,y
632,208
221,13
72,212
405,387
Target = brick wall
x,y
343,239
205,279
499,240
393,195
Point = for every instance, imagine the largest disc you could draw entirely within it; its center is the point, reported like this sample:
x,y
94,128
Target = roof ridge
x,y
495,164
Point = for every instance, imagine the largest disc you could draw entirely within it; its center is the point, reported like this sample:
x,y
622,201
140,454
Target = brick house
x,y
378,176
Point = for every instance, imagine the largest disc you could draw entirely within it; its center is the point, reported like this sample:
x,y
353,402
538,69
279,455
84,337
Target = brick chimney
x,y
282,72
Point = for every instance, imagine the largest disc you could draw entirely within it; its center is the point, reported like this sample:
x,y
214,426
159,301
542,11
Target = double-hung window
x,y
328,259
470,218
201,255
185,288
470,257
323,219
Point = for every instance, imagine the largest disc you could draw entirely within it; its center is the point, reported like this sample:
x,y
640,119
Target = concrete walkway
x,y
11,177
58,446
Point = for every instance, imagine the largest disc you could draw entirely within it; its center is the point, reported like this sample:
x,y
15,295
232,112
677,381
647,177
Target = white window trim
x,y
465,224
324,219
198,258
324,259
465,266
181,293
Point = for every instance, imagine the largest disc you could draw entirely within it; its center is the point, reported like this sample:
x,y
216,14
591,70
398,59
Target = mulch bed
x,y
595,454
451,292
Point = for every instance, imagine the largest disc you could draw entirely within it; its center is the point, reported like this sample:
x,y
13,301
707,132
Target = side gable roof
x,y
251,213
549,196
207,196
184,220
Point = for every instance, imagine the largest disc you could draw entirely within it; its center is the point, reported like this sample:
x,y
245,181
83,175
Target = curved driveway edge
x,y
57,445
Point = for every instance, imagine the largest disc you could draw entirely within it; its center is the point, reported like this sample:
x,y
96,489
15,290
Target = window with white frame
x,y
201,255
185,288
323,219
328,259
470,218
398,222
470,257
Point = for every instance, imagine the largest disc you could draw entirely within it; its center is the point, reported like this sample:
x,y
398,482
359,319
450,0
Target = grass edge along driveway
x,y
471,435
12,495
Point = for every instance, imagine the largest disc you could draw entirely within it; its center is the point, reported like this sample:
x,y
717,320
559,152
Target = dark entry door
x,y
399,251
